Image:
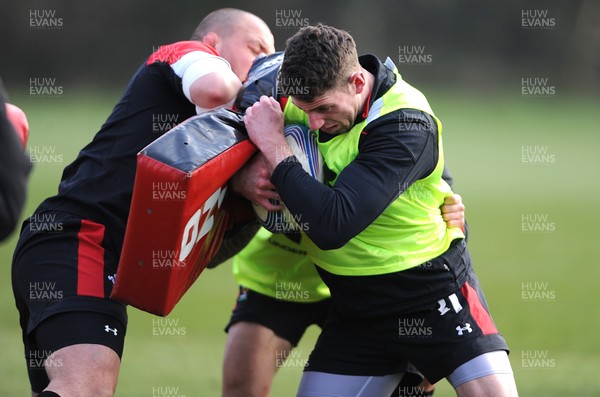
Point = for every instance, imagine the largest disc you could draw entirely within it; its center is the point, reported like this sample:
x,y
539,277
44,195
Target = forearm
x,y
334,215
320,208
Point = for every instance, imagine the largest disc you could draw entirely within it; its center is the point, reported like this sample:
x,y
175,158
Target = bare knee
x,y
83,370
238,386
250,360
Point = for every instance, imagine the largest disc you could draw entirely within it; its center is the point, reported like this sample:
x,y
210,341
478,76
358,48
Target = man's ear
x,y
358,80
211,39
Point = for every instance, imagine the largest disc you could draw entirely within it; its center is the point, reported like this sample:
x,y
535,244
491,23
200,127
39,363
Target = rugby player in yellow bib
x,y
281,293
402,285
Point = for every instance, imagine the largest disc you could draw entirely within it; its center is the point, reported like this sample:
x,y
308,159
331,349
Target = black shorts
x,y
437,338
288,320
63,265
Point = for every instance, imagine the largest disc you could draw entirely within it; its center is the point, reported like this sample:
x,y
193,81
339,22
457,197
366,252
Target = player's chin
x,y
342,128
332,129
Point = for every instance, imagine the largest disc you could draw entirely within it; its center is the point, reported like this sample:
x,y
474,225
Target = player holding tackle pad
x,y
68,252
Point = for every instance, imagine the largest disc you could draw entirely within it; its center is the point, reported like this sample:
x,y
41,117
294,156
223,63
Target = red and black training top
x,y
98,185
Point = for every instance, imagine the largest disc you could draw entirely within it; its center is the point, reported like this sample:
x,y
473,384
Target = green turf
x,y
484,139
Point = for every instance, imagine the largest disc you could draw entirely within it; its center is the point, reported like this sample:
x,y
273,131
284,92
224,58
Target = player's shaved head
x,y
222,22
237,36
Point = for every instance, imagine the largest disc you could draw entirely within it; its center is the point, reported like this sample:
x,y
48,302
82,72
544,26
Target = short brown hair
x,y
318,57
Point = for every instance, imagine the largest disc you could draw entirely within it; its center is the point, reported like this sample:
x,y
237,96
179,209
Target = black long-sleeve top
x,y
394,151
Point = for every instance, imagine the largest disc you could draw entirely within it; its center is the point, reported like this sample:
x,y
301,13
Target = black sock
x,y
48,393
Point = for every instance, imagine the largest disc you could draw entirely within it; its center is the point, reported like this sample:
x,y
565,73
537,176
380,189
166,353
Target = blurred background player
x,y
14,164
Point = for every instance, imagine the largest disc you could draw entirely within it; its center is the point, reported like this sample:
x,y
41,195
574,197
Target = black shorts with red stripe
x,y
62,274
436,335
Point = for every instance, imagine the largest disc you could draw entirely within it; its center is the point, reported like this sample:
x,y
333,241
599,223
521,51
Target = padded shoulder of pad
x,y
262,80
198,140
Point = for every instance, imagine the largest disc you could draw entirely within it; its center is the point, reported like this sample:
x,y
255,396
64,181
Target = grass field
x,y
527,169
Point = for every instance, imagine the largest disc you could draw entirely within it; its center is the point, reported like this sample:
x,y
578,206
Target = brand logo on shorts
x,y
109,329
461,330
